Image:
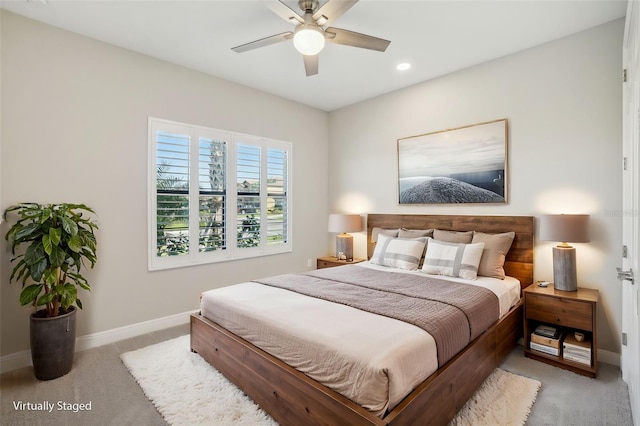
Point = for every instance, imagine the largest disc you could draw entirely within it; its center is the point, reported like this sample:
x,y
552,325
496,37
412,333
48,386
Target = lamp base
x,y
344,245
564,268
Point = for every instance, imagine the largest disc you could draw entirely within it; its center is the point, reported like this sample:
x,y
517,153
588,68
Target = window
x,y
215,195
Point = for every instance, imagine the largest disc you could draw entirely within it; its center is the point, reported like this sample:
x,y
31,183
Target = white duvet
x,y
373,360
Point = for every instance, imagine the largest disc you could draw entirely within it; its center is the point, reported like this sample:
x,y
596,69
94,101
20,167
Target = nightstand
x,y
570,312
331,261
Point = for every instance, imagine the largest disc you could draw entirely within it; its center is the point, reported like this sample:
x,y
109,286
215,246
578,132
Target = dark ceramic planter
x,y
53,343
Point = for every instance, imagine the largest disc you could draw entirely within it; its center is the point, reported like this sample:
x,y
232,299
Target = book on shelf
x,y
577,358
547,341
571,343
547,331
576,352
573,350
544,348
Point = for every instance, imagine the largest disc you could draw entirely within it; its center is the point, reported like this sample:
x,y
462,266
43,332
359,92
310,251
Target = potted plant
x,y
55,241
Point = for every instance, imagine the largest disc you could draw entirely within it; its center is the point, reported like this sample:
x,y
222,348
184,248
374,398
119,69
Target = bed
x,y
292,397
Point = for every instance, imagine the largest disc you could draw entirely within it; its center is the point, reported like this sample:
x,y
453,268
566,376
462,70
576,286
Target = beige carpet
x,y
186,390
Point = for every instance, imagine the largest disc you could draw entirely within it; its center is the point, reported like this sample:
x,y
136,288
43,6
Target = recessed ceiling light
x,y
403,66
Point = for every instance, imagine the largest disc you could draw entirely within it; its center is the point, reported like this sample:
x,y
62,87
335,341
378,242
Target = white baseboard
x,y
114,335
89,341
15,360
608,357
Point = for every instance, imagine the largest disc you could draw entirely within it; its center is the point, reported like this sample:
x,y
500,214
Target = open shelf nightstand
x,y
568,311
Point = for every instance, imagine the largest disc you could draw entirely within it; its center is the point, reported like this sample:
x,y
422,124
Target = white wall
x,y
563,102
74,115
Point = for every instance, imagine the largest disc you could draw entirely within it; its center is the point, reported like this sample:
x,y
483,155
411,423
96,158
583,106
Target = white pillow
x,y
453,259
402,253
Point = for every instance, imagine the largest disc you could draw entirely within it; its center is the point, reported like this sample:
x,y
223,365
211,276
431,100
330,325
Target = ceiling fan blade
x,y
311,64
263,42
350,38
284,11
332,10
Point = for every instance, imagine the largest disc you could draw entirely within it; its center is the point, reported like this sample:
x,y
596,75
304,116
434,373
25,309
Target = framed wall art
x,y
463,165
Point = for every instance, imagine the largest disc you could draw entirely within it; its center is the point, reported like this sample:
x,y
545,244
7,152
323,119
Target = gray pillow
x,y
496,247
415,233
453,236
388,232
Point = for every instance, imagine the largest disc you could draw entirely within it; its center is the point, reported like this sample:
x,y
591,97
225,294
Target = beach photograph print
x,y
463,165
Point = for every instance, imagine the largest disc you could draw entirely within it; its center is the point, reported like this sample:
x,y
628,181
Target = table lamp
x,y
565,228
342,224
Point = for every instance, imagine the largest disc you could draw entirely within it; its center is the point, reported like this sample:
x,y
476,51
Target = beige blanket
x,y
371,359
454,314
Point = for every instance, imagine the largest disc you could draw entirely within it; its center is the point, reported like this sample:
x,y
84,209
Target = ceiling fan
x,y
312,30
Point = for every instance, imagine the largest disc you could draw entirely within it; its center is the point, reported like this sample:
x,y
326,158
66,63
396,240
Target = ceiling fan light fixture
x,y
308,40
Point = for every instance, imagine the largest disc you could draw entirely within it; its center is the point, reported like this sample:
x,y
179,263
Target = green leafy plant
x,y
59,238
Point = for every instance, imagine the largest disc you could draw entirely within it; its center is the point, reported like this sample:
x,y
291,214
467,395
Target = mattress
x,y
373,360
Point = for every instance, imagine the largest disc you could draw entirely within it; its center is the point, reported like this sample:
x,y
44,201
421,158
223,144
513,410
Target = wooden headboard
x,y
519,261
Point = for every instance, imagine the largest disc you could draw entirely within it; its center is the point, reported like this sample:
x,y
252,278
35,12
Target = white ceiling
x,y
436,37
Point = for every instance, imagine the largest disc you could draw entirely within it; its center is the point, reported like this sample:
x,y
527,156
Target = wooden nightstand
x,y
570,312
331,261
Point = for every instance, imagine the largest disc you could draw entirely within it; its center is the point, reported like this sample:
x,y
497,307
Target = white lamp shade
x,y
345,223
308,40
566,228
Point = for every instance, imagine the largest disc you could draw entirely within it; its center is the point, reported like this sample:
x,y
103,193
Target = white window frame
x,y
231,251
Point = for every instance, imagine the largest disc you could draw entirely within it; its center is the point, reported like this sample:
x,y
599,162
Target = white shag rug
x,y
186,390
504,399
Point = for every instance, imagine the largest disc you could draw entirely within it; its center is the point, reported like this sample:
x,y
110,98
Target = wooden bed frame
x,y
293,398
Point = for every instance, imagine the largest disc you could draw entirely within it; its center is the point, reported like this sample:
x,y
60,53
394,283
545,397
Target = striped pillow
x,y
402,253
453,259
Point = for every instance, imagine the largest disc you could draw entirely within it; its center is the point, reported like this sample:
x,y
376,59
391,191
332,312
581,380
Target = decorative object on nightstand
x,y
342,224
565,228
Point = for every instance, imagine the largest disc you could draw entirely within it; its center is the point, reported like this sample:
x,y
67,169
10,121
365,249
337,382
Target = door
x,y
630,360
